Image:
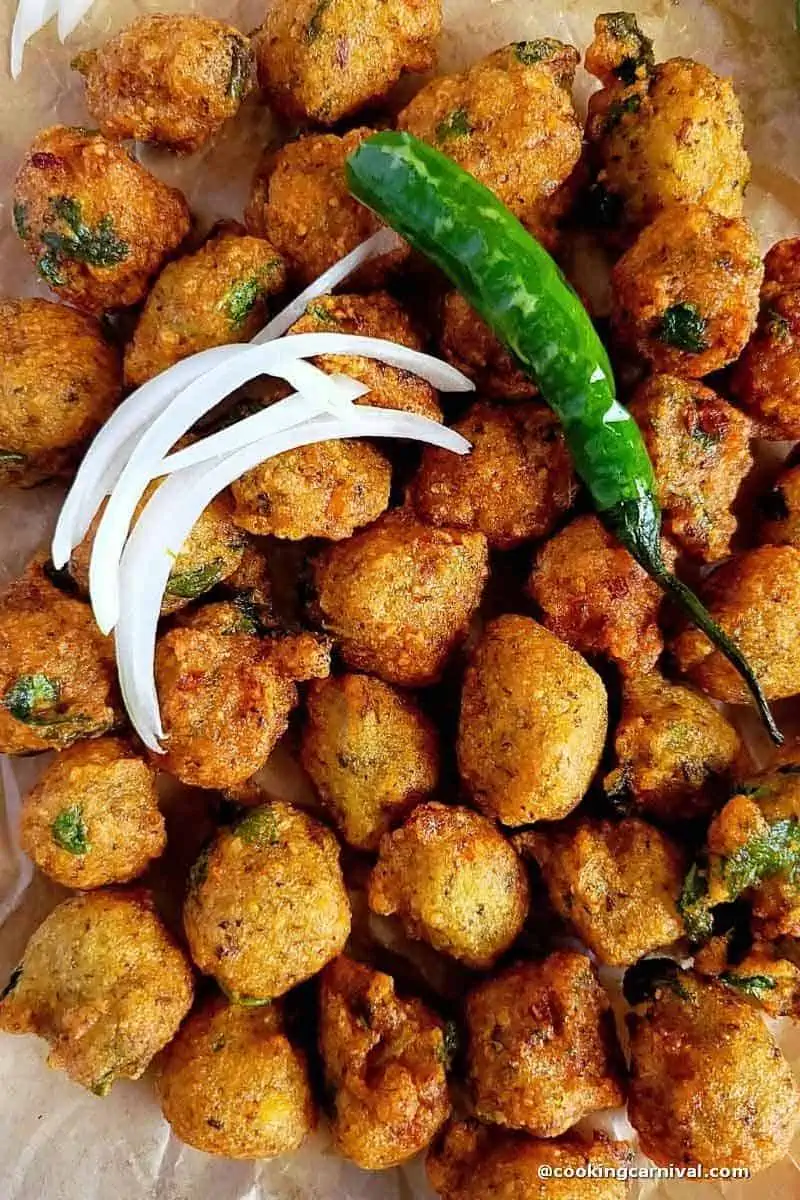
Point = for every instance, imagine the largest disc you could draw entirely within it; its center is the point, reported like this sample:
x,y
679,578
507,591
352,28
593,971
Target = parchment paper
x,y
57,1142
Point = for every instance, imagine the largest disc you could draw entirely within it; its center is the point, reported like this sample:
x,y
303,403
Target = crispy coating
x,y
766,379
59,381
616,883
753,848
266,906
781,510
226,697
385,1064
300,202
514,486
58,681
480,1162
619,52
596,597
754,597
173,79
685,296
708,1082
371,754
761,976
231,1083
469,344
326,490
93,817
700,449
509,120
210,554
322,60
377,315
399,596
671,135
453,881
533,723
97,225
542,1050
214,297
104,983
675,751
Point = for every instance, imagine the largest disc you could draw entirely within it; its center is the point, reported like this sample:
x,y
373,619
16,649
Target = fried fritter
x,y
469,344
780,510
533,723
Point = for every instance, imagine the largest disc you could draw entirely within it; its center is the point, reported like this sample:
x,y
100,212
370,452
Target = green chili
x,y
514,284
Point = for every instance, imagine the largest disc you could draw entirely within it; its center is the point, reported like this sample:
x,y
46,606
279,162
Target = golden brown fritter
x,y
325,490
542,1050
509,120
214,297
533,723
399,596
780,510
104,983
675,751
93,817
385,1062
173,79
708,1082
753,849
226,698
97,225
685,296
300,201
231,1083
755,597
514,486
59,381
660,135
766,379
266,906
469,344
482,1162
370,752
453,881
596,597
761,976
377,315
58,681
700,449
210,554
322,60
616,883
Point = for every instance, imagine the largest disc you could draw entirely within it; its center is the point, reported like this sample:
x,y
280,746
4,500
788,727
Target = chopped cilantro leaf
x,y
69,831
683,327
188,585
456,125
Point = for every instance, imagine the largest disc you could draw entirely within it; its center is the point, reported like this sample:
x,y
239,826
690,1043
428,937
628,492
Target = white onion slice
x,y
70,15
111,448
32,15
170,515
382,242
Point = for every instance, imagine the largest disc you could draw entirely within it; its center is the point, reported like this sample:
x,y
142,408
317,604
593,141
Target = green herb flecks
x,y
241,67
776,325
33,699
456,125
188,585
650,976
259,827
693,904
102,1086
243,1000
198,873
11,458
322,314
620,108
708,439
539,50
314,27
97,247
248,618
450,1044
21,219
684,327
776,852
241,299
636,49
69,831
755,986
13,980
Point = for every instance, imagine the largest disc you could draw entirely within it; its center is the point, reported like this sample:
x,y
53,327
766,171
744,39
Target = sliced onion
x,y
111,448
32,15
382,242
70,15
